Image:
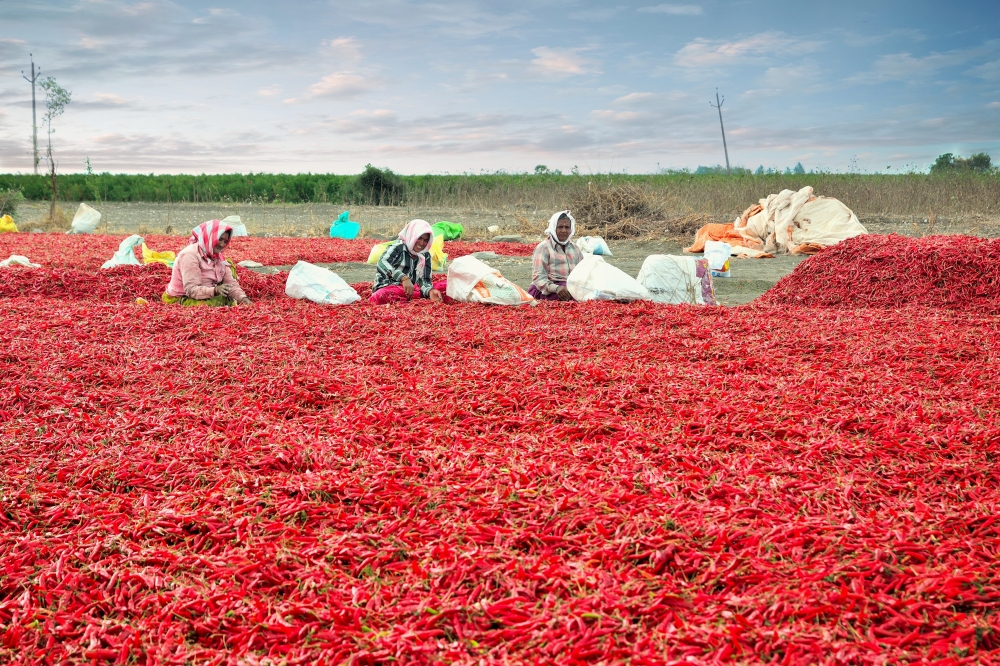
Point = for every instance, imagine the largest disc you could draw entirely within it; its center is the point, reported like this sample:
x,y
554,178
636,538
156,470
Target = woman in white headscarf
x,y
554,259
404,270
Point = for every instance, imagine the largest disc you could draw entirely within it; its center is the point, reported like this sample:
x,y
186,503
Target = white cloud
x,y
706,53
213,15
993,105
560,63
341,85
677,10
270,91
636,97
906,67
343,48
988,70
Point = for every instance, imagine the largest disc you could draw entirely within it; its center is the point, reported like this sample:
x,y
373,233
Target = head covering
x,y
554,220
206,235
413,230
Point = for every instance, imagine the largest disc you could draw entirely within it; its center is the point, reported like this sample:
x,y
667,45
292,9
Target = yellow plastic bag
x,y
377,252
7,225
152,257
438,257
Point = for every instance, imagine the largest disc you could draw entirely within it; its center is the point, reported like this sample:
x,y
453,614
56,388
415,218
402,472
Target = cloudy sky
x,y
179,86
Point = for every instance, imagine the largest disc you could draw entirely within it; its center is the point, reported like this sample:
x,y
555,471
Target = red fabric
x,y
396,294
206,235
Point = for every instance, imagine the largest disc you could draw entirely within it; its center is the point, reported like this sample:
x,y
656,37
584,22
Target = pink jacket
x,y
195,276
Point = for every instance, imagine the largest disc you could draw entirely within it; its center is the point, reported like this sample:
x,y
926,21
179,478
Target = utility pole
x,y
34,121
718,105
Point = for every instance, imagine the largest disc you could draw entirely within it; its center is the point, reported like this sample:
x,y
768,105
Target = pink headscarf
x,y
413,230
206,235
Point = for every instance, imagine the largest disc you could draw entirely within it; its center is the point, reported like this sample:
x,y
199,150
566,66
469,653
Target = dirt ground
x,y
750,277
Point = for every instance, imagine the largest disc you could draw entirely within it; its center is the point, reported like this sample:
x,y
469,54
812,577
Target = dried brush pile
x,y
625,211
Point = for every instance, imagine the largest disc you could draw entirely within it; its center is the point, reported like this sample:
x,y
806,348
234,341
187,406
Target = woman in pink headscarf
x,y
404,271
200,275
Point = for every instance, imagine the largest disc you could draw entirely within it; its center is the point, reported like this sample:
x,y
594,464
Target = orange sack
x,y
715,232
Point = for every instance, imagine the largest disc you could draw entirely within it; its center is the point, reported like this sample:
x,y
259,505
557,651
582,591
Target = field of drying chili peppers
x,y
597,483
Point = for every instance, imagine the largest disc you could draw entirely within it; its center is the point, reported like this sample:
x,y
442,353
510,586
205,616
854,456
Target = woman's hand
x,y
408,287
245,301
223,289
563,294
435,296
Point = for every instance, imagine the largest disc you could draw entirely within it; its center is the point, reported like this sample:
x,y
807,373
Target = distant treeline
x,y
948,192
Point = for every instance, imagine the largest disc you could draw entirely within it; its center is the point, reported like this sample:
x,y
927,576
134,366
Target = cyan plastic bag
x,y
125,256
344,228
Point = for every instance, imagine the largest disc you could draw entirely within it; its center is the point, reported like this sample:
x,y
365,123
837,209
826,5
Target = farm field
x,y
751,278
592,483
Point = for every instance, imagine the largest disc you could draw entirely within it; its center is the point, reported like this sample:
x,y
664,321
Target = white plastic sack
x,y
594,279
672,279
472,281
593,245
319,285
18,260
85,221
125,256
717,254
239,229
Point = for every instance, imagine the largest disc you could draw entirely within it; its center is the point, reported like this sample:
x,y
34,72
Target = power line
x,y
718,105
34,121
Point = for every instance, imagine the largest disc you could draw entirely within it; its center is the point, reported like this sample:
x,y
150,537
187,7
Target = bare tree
x,y
56,100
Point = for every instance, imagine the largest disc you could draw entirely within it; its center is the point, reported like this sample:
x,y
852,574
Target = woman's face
x,y
223,241
563,229
421,243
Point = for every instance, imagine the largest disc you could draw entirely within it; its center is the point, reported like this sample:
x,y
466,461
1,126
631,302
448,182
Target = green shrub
x,y
10,199
978,162
379,187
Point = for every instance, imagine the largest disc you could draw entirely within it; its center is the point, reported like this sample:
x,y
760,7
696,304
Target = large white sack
x,y
319,285
593,245
672,279
125,256
239,229
472,281
85,221
18,260
594,279
798,223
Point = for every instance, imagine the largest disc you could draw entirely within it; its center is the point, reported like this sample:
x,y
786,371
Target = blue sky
x,y
429,87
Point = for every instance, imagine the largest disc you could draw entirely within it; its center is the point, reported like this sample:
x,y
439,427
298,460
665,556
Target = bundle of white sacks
x,y
662,279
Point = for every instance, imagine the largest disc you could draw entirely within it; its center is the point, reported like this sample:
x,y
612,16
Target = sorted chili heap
x,y
89,252
597,483
954,272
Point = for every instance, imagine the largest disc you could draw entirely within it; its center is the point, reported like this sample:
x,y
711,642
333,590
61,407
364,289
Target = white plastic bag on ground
x,y
594,279
18,260
239,229
85,221
717,254
472,281
593,245
672,279
125,256
319,285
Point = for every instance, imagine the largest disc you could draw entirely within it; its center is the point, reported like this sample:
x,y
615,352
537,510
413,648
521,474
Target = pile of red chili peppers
x,y
954,272
89,252
581,483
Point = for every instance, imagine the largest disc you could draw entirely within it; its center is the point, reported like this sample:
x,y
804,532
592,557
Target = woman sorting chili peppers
x,y
201,277
404,270
554,259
